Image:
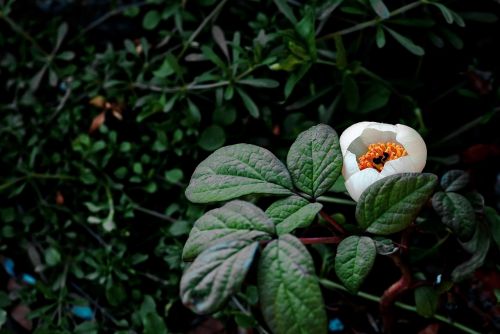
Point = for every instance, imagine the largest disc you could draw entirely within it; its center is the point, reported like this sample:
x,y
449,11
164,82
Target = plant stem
x,y
320,240
373,22
332,222
328,199
336,286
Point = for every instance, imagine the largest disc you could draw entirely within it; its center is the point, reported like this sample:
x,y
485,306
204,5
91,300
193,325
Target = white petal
x,y
350,165
359,181
373,133
350,134
414,145
404,164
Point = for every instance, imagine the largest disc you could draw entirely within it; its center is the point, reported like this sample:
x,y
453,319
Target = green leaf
x,y
52,256
261,83
151,20
454,180
249,103
380,37
286,10
478,246
426,300
235,220
294,78
354,260
291,213
380,8
376,97
154,324
212,138
494,222
238,170
406,43
456,212
290,298
216,274
392,203
315,160
448,16
305,29
351,92
482,17
341,53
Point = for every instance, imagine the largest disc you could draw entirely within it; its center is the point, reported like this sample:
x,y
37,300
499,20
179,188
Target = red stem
x,y
321,240
332,222
398,288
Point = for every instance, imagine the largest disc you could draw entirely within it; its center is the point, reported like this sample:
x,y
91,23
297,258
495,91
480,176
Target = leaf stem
x,y
373,22
328,199
332,222
336,286
320,240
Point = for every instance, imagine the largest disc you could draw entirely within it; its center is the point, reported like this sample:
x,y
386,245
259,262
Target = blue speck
x,y
83,312
439,278
8,265
28,279
336,325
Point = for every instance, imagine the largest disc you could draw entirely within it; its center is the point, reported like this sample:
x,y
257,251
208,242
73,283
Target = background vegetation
x,y
108,106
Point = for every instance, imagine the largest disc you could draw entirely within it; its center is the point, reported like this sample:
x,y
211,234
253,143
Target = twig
x,y
332,222
373,22
328,199
336,286
320,240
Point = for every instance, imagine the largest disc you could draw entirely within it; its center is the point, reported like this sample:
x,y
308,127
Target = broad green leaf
x,y
494,222
290,298
392,203
261,83
376,97
212,138
249,103
234,220
291,213
216,274
426,301
380,8
354,260
237,170
454,180
406,43
315,160
476,200
478,246
456,212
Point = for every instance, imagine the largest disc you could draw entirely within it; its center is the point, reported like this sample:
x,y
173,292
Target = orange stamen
x,y
378,154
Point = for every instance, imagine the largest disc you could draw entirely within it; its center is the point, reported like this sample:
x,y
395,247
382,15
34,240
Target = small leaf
x,y
448,16
261,83
380,37
212,138
291,213
290,297
216,274
478,246
351,92
286,10
341,53
315,160
406,43
376,97
456,212
235,220
426,300
392,203
151,20
249,104
62,31
380,8
238,170
354,260
220,39
454,180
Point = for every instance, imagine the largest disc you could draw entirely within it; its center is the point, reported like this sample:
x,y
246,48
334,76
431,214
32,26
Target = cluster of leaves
x,y
106,104
223,242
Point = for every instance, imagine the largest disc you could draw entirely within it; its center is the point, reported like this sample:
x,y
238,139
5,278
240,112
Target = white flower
x,y
394,149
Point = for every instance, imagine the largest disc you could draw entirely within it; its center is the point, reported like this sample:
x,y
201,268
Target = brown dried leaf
x,y
97,122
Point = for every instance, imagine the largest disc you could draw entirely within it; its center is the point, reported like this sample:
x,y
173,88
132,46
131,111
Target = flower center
x,y
379,153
